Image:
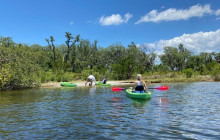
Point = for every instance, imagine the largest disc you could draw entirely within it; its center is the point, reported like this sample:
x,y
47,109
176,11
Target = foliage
x,y
216,72
188,72
4,75
175,58
85,73
23,66
162,68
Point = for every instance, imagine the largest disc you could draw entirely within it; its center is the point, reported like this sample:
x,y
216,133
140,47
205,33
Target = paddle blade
x,y
162,88
117,89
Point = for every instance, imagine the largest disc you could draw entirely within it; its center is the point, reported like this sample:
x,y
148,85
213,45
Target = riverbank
x,y
148,80
179,79
82,83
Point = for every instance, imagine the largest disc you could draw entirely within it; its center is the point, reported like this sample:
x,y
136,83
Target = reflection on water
x,y
92,90
185,111
163,103
139,103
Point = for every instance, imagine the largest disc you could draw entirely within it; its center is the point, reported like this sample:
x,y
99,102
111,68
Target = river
x,y
185,111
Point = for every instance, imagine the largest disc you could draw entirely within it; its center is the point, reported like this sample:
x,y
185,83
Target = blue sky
x,y
150,23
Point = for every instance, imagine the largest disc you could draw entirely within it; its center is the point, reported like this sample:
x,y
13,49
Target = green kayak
x,y
146,95
100,84
68,84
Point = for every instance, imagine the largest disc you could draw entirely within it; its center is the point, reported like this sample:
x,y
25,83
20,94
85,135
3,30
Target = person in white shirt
x,y
140,86
90,79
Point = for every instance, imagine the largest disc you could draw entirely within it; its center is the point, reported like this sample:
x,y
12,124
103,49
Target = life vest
x,y
139,86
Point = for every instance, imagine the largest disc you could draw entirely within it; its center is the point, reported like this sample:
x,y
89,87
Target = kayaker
x,y
104,80
90,79
140,85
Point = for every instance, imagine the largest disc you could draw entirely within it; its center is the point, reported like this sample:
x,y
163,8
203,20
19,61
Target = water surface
x,y
185,111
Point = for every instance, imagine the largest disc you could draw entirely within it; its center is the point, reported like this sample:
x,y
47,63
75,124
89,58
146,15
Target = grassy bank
x,y
163,78
176,78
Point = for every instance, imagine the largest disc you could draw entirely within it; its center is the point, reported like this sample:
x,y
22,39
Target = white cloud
x,y
176,14
115,19
217,12
127,17
196,43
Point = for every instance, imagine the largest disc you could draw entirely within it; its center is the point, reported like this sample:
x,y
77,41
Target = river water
x,y
185,111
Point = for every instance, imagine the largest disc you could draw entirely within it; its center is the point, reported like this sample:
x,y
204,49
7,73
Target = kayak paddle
x,y
158,88
117,89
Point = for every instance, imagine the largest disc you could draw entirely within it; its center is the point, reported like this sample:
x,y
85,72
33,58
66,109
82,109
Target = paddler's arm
x,y
145,86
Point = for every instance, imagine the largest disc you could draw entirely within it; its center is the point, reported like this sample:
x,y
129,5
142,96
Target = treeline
x,y
23,66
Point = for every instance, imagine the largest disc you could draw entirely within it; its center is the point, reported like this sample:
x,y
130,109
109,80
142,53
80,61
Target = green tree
x,y
147,58
195,62
170,57
175,58
206,57
182,57
217,57
6,42
67,53
71,49
52,47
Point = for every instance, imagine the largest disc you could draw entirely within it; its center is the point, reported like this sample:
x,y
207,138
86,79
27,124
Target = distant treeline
x,y
23,66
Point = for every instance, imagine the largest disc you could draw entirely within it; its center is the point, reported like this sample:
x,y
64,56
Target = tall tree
x,y
7,42
71,48
194,62
206,57
147,57
175,58
52,47
169,57
217,57
69,38
182,56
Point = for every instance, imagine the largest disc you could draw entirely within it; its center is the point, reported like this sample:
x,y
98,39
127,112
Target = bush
x,y
118,72
4,76
76,76
216,73
188,72
47,76
25,75
87,72
63,77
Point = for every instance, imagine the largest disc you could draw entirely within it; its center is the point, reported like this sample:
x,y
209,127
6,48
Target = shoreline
x,y
82,83
129,82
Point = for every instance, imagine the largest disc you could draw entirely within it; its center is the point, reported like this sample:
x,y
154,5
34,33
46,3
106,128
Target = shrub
x,y
47,76
4,76
87,72
188,72
216,73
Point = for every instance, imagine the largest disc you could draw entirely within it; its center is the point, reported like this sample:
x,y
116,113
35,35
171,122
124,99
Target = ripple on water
x,y
185,111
